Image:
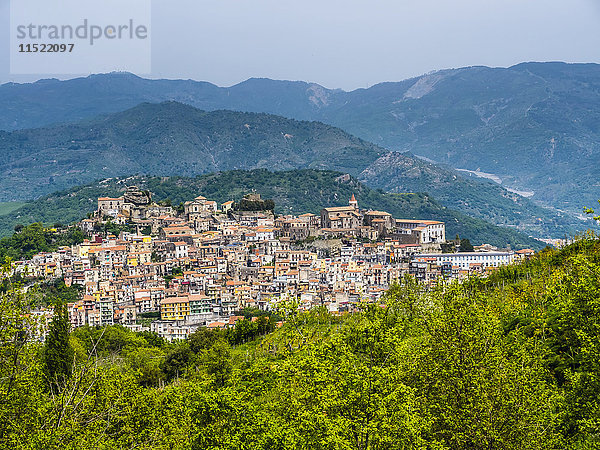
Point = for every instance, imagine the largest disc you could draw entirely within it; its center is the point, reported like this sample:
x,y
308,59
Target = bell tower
x,y
353,202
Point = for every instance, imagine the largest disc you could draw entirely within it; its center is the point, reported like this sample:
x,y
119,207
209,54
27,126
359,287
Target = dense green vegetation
x,y
296,191
254,205
510,361
58,354
35,238
51,292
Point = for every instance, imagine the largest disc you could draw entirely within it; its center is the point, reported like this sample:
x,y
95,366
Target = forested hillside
x,y
534,125
508,362
294,192
171,138
485,199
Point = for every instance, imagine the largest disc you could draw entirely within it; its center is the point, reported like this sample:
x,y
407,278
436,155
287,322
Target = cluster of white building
x,y
201,267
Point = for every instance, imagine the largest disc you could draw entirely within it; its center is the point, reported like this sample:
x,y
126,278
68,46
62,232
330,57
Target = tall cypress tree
x,y
58,353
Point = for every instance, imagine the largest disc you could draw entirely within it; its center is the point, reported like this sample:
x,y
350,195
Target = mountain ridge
x,y
534,125
171,138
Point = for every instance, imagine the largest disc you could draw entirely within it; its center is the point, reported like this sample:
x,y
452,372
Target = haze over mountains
x,y
171,138
536,126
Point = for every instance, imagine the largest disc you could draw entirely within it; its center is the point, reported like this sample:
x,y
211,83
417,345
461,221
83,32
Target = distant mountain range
x,y
535,126
171,138
294,192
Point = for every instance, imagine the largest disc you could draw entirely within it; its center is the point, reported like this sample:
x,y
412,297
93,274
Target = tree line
x,y
507,361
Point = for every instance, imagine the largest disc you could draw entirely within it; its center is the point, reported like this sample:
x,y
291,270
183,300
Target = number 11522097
x,y
46,48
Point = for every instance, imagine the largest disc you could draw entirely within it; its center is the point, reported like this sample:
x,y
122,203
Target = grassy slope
x,y
8,207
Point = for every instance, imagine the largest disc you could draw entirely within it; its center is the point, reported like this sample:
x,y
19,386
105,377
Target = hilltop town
x,y
174,269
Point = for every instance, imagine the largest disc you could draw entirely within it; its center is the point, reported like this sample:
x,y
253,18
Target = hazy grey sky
x,y
350,43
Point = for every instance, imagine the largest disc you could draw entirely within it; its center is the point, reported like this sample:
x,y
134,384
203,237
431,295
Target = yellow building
x,y
132,259
83,249
174,308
